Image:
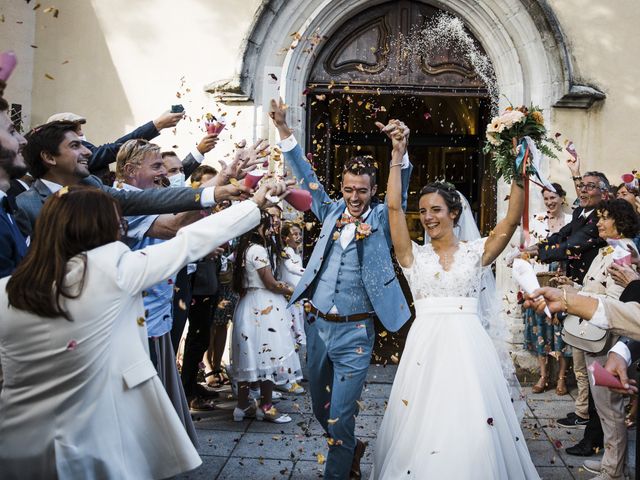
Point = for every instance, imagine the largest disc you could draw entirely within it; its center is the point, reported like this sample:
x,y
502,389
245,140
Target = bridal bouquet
x,y
510,134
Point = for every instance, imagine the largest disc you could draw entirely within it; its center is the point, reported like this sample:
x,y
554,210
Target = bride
x,y
450,413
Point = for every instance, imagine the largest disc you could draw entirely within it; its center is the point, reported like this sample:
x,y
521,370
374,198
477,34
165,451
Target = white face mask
x,y
176,180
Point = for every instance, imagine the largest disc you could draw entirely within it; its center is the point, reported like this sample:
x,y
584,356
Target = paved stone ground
x,y
260,450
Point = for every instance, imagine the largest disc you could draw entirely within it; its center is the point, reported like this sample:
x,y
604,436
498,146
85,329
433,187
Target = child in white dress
x,y
262,349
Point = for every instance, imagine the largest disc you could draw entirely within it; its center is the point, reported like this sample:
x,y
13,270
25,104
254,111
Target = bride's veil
x,y
489,308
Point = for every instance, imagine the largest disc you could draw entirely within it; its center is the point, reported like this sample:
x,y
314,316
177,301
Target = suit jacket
x,y
577,243
13,246
374,251
632,294
81,398
189,164
624,315
145,202
105,154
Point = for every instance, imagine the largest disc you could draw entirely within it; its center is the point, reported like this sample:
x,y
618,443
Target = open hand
x,y
244,160
617,366
278,112
623,275
271,191
168,120
574,165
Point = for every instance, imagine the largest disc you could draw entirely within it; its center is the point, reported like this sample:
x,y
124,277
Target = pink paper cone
x,y
626,260
299,199
252,179
8,61
215,127
602,378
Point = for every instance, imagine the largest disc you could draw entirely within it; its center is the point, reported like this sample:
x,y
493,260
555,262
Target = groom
x,y
350,280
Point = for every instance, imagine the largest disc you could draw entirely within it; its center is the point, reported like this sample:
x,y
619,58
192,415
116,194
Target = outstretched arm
x,y
300,167
397,222
499,238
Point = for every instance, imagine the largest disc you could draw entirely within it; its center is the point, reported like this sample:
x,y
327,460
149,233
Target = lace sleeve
x,y
410,271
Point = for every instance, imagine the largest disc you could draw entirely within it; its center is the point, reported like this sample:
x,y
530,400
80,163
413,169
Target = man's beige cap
x,y
66,116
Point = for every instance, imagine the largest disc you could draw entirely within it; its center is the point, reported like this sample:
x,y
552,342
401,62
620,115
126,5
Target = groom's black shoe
x,y
358,453
583,449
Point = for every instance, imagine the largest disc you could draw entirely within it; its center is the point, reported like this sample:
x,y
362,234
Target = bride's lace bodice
x,y
427,278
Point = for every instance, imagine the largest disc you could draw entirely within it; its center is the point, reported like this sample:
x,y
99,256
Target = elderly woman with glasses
x,y
617,225
81,399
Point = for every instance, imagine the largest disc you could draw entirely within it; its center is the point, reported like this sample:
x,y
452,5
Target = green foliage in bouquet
x,y
516,123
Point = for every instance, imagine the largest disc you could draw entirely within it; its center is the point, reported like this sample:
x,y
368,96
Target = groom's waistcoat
x,y
339,282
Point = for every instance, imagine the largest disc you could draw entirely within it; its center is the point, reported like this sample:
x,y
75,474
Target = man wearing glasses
x,y
577,244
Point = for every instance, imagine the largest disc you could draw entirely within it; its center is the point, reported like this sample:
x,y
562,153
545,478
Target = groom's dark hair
x,y
361,165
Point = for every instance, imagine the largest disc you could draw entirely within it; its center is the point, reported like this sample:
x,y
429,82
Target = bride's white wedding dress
x,y
450,413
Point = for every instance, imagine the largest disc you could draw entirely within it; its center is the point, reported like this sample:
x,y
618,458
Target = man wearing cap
x,y
103,155
56,158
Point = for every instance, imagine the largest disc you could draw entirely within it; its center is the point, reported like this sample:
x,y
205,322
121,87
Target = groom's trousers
x,y
338,357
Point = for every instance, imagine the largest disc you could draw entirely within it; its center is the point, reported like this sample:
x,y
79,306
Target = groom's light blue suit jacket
x,y
374,251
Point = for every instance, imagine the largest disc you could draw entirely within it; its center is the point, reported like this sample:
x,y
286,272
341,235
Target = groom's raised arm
x,y
300,167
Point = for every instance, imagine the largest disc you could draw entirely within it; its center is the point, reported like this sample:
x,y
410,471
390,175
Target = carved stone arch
x,y
366,50
520,37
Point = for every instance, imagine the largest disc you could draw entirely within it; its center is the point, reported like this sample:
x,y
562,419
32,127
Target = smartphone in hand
x,y
177,108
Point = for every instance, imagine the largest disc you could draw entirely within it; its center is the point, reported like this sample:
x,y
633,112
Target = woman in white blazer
x,y
81,398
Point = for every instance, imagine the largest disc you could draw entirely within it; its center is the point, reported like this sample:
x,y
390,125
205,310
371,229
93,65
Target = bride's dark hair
x,y
449,194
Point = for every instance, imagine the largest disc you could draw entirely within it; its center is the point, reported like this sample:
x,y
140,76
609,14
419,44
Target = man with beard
x,y
56,158
13,245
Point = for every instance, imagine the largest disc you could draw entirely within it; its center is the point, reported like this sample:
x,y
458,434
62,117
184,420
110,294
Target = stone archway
x,y
522,38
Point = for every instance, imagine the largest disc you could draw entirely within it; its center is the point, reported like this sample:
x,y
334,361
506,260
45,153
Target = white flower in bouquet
x,y
496,125
510,118
493,139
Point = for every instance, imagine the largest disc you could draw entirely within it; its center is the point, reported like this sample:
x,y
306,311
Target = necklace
x,y
446,256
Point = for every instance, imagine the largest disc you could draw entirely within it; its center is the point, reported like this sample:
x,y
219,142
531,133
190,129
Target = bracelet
x,y
395,165
579,177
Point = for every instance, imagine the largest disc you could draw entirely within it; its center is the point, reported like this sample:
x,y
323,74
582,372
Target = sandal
x,y
541,386
240,414
269,413
561,387
216,378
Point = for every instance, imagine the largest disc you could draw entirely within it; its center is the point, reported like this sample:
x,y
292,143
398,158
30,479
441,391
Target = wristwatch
x,y
579,177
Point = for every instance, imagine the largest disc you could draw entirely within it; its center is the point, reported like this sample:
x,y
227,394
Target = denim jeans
x,y
338,357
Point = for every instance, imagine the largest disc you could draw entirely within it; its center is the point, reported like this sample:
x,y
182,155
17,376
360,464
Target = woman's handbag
x,y
583,335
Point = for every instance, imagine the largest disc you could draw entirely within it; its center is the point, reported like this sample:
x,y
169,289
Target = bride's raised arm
x,y
502,233
397,222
